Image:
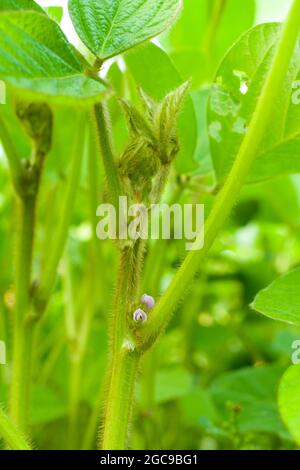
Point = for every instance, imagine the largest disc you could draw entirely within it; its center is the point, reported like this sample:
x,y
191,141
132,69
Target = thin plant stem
x,y
236,178
91,428
48,276
26,178
74,373
25,318
79,341
215,18
11,435
101,117
22,331
94,200
74,400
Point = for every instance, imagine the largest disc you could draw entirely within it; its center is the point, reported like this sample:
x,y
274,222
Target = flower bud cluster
x,y
153,141
140,315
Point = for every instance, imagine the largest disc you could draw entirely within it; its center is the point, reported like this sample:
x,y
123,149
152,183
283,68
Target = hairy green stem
x,y
119,402
11,435
160,183
237,177
124,361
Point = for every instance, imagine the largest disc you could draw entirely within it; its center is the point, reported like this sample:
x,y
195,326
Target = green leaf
x,y
37,57
289,400
254,392
234,97
10,5
193,53
154,72
110,27
281,300
197,405
47,405
172,384
280,194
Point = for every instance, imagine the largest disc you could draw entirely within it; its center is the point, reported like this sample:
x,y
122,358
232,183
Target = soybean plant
x,y
44,72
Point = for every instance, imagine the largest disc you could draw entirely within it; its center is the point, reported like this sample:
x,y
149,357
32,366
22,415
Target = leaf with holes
x,y
233,100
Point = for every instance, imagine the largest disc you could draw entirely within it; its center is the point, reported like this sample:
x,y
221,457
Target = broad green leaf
x,y
197,405
172,384
73,88
289,400
195,51
274,196
155,73
281,300
234,96
109,27
10,5
47,405
191,30
253,391
37,57
280,194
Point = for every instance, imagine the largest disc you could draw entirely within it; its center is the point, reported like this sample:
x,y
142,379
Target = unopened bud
x,y
148,301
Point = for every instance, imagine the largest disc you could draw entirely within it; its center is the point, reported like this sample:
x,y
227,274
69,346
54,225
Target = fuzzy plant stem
x,y
160,183
11,435
124,360
236,178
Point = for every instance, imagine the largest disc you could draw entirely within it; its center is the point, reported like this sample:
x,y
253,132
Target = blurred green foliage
x,y
212,380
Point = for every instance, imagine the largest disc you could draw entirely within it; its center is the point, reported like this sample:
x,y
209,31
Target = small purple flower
x,y
148,301
140,316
